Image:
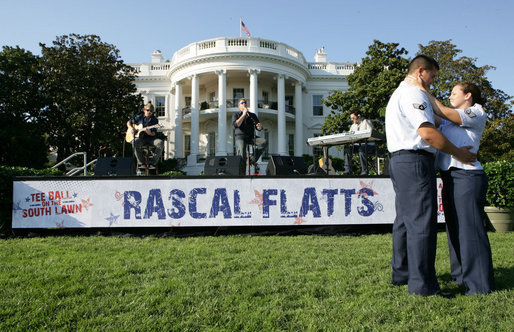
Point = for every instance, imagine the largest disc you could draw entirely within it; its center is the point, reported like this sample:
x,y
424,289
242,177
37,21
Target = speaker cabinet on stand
x,y
224,165
286,165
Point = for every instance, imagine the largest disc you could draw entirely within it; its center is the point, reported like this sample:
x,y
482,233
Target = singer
x,y
245,124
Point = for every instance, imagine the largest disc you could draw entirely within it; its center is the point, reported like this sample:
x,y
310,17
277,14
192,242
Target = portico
x,y
200,87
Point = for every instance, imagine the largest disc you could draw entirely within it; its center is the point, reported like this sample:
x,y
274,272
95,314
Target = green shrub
x,y
6,177
172,173
501,183
168,165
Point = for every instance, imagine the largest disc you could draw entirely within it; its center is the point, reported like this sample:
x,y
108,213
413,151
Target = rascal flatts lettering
x,y
220,202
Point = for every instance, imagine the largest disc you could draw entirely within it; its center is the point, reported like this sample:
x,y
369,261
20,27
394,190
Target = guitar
x,y
323,165
129,137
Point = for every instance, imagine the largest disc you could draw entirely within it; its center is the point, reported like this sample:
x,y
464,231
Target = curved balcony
x,y
241,45
237,45
265,107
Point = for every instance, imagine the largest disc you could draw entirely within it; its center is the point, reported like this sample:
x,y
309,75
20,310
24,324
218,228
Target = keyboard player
x,y
359,124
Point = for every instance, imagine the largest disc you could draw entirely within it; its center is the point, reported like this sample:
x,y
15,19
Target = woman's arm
x,y
444,112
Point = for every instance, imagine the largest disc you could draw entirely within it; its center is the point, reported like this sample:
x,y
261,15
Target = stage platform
x,y
215,203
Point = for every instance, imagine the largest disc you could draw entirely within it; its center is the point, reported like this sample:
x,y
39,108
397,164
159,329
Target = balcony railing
x,y
232,103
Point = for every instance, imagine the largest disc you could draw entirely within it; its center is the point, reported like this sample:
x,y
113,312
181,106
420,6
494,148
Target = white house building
x,y
196,94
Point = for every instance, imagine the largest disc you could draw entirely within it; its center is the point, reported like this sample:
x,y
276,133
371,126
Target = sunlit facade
x,y
196,93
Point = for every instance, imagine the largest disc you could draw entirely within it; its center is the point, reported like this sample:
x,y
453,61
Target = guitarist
x,y
145,136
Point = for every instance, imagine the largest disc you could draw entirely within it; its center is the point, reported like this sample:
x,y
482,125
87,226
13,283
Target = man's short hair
x,y
424,62
149,107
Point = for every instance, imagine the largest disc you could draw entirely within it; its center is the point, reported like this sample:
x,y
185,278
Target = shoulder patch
x,y
469,113
420,106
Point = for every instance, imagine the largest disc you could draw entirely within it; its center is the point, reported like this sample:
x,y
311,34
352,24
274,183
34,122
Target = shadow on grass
x,y
503,281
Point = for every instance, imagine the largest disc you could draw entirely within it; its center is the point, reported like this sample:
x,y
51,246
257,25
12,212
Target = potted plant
x,y
500,195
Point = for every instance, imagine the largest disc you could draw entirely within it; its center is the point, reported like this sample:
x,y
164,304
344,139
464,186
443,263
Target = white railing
x,y
205,45
331,68
165,66
240,44
72,172
237,44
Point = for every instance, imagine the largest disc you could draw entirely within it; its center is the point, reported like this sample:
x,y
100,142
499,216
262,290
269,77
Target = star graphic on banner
x,y
27,199
257,200
16,206
368,186
86,203
75,195
112,219
60,224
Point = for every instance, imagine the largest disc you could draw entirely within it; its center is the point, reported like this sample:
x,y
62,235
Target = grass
x,y
258,283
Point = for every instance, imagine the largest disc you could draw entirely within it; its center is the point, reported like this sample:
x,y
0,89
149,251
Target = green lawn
x,y
258,283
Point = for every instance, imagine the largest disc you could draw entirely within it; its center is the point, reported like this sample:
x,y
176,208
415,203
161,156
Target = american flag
x,y
243,26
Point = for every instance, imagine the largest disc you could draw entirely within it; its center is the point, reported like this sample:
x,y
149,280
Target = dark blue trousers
x,y
415,225
470,252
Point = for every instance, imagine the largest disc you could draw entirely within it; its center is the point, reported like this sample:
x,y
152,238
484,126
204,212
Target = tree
x,y
21,101
370,87
499,134
92,95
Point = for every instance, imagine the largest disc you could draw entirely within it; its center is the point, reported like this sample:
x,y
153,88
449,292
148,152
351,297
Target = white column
x,y
281,117
179,151
254,90
195,122
221,147
298,129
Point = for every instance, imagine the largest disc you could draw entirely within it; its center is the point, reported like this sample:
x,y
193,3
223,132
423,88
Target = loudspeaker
x,y
286,165
226,165
115,167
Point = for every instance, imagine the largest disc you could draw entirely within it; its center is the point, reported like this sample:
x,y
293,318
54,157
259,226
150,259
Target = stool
x,y
149,152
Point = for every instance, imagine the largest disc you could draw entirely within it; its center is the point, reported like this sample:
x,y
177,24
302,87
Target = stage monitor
x,y
224,165
111,166
286,165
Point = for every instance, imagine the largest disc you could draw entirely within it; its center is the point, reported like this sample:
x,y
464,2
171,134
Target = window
x,y
212,97
211,144
160,106
265,97
187,101
317,107
187,145
291,144
238,93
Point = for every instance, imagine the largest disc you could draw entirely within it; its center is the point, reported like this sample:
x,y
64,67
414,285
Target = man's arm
x,y
435,138
239,121
152,131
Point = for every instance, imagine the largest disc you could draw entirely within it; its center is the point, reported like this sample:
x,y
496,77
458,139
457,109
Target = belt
x,y
406,152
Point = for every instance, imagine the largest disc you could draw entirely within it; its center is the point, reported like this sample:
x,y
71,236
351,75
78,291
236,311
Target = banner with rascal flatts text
x,y
201,202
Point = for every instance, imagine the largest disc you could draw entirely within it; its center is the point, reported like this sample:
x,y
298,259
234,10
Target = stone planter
x,y
502,219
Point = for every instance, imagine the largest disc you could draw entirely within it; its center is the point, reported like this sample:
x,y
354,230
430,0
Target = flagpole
x,y
240,20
